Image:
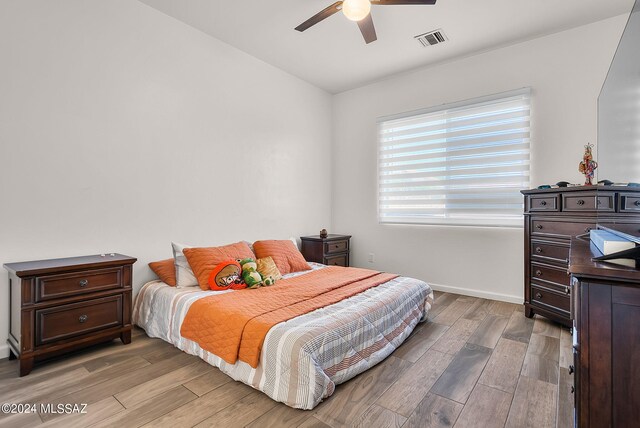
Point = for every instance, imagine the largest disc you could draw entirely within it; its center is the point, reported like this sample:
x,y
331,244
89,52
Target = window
x,y
458,164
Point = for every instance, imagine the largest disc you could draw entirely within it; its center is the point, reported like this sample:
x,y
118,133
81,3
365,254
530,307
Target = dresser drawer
x,y
589,201
550,274
542,296
563,229
629,202
70,284
336,247
630,228
61,322
544,202
337,260
550,251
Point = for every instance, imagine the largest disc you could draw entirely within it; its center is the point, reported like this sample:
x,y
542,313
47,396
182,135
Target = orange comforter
x,y
234,325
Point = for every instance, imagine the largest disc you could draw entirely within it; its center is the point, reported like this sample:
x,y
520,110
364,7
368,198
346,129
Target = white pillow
x,y
184,274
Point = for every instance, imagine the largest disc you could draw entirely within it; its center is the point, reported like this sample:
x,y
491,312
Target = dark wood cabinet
x,y
332,250
60,305
605,311
552,217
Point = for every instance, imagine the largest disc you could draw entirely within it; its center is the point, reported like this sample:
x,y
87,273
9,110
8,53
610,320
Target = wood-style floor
x,y
476,363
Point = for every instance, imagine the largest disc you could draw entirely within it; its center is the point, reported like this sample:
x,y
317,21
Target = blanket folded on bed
x,y
233,326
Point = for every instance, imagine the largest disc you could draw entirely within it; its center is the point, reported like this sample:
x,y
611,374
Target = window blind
x,y
460,164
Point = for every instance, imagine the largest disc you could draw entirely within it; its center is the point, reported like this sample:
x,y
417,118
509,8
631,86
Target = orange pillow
x,y
284,253
204,260
166,271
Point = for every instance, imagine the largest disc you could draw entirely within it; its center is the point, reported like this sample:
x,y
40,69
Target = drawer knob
x,y
637,203
83,319
580,201
538,250
587,229
84,283
538,296
538,226
543,203
567,290
571,369
538,272
573,389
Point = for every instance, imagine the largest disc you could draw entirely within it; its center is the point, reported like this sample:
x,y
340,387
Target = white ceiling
x,y
333,55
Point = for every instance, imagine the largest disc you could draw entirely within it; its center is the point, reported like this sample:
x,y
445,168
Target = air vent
x,y
431,38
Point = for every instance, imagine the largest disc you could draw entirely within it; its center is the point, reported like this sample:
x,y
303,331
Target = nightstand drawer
x,y
70,284
61,322
337,260
336,247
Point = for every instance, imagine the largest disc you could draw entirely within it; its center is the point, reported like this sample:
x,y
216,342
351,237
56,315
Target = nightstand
x,y
332,250
57,306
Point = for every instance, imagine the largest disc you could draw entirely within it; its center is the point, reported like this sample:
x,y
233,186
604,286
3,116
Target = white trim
x,y
478,293
4,351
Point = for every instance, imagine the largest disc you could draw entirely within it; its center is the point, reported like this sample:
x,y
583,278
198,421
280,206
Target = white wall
x,y
565,71
122,129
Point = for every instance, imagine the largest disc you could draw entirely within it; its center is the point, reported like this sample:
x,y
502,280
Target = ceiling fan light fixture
x,y
356,10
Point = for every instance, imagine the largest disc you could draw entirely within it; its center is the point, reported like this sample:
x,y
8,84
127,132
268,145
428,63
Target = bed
x,y
304,358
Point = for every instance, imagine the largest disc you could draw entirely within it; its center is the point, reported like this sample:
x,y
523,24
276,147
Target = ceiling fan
x,y
359,11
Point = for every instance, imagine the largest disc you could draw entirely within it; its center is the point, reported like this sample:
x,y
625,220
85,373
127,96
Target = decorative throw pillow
x,y
226,275
166,271
267,268
184,274
204,260
284,253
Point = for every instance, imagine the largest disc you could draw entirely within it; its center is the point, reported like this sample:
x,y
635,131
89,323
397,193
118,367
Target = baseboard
x,y
4,351
478,293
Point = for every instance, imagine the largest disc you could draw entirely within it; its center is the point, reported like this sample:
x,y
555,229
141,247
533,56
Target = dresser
x,y
57,306
551,218
606,343
332,250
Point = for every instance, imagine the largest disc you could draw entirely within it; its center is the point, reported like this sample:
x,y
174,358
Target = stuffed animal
x,y
250,273
225,276
251,276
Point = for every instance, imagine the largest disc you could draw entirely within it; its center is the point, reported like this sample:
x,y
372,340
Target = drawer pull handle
x,y
539,226
83,319
571,369
637,203
567,290
580,202
538,272
538,296
543,203
84,283
538,250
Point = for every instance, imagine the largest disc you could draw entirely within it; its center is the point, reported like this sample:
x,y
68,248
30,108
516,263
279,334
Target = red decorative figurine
x,y
588,165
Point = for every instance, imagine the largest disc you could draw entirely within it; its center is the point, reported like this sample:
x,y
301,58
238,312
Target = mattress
x,y
303,359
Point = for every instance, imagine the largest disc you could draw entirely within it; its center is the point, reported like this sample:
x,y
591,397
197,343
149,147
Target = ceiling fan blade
x,y
324,14
401,2
367,29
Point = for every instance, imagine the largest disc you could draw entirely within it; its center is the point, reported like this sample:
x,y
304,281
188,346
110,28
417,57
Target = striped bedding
x,y
304,358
